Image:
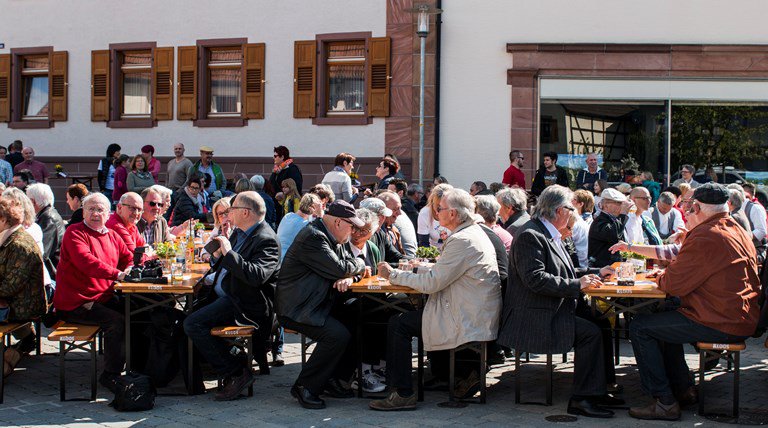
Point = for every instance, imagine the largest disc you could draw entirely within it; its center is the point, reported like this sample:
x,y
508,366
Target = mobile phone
x,y
212,246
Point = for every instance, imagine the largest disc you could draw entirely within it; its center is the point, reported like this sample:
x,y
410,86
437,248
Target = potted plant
x,y
636,259
429,253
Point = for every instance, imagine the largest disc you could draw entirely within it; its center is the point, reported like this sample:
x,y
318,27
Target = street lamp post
x,y
422,30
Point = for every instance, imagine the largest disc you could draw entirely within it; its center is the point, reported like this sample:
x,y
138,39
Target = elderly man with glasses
x,y
93,257
716,276
541,299
608,228
463,306
124,219
241,291
315,270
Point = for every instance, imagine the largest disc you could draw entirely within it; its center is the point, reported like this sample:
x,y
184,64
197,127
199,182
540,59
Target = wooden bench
x,y
5,341
305,344
518,377
482,349
68,335
248,335
714,351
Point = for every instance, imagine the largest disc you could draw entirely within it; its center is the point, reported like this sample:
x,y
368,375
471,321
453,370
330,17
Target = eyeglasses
x,y
240,208
222,213
134,209
440,209
98,210
275,156
364,231
155,204
688,201
521,157
569,208
195,188
647,198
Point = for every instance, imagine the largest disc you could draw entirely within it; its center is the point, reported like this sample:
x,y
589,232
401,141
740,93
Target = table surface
x,y
185,287
638,290
374,285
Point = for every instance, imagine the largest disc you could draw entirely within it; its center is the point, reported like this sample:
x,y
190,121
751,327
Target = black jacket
x,y
604,232
502,259
53,231
539,182
185,209
389,252
409,208
104,172
312,264
291,171
251,272
77,217
542,289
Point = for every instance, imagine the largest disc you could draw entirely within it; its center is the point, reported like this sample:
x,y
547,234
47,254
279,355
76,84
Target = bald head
x,y
642,199
130,208
392,201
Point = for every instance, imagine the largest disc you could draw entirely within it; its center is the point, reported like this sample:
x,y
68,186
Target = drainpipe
x,y
438,45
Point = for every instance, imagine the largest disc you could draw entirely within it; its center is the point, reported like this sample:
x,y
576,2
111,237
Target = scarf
x,y
283,165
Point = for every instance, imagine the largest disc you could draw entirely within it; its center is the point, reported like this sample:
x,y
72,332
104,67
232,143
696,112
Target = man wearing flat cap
x,y
316,268
206,165
715,276
608,228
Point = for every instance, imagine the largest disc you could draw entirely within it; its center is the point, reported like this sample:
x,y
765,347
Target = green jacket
x,y
218,174
21,277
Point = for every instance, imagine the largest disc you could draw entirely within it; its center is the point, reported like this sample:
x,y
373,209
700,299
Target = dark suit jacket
x,y
542,289
502,259
52,225
604,232
314,262
251,272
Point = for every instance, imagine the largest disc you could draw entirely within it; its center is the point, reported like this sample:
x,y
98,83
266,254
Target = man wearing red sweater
x,y
92,259
514,176
124,219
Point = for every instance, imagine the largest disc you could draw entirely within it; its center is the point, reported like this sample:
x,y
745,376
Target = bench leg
x,y
452,375
517,376
2,364
62,354
38,332
249,353
420,368
93,368
736,363
616,340
549,379
702,363
483,370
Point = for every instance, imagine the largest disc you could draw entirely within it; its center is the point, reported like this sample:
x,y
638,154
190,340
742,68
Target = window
x,y
221,82
342,79
131,85
33,87
136,88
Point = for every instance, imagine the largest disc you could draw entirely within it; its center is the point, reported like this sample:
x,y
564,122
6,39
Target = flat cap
x,y
612,194
711,193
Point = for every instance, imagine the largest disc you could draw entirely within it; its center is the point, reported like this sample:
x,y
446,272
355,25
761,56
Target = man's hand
x,y
385,270
354,190
225,245
607,271
679,236
121,276
342,284
587,281
620,246
225,229
367,272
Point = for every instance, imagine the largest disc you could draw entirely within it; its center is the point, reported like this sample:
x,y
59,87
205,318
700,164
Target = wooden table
x,y
172,293
86,180
623,299
376,289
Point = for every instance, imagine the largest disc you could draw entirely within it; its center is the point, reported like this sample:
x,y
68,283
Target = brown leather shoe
x,y
689,397
656,410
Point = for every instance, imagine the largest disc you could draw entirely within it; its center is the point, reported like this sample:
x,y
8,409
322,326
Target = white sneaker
x,y
371,383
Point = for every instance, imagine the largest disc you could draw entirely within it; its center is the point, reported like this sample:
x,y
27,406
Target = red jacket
x,y
88,267
130,234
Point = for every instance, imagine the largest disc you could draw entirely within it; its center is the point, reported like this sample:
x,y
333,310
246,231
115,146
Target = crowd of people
x,y
513,263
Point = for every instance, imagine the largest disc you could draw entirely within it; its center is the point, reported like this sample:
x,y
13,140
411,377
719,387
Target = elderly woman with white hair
x,y
50,222
463,306
29,224
488,208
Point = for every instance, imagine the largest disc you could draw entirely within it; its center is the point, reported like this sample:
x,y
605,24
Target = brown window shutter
x,y
378,76
5,88
304,59
253,84
162,98
100,85
186,103
57,81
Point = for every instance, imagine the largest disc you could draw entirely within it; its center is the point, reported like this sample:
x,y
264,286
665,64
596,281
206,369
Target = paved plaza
x,y
32,398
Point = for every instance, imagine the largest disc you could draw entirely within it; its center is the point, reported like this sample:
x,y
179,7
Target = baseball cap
x,y
711,193
376,205
206,149
612,194
343,209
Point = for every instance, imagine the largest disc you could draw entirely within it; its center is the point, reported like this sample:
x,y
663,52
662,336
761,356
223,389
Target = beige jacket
x,y
464,300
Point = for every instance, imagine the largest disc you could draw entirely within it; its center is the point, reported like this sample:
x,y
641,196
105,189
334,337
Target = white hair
x,y
712,209
97,198
488,207
41,194
368,217
462,202
552,198
513,197
23,200
162,190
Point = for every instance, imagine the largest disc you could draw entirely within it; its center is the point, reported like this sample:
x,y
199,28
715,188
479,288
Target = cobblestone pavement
x,y
32,398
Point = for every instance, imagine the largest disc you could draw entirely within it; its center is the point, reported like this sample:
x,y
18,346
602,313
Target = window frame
x,y
204,47
33,73
17,63
116,119
126,70
321,101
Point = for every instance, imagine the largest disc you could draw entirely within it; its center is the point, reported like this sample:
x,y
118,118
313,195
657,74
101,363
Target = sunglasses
x,y
155,204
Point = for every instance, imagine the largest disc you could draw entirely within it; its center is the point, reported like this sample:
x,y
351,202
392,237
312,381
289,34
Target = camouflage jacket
x,y
21,277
